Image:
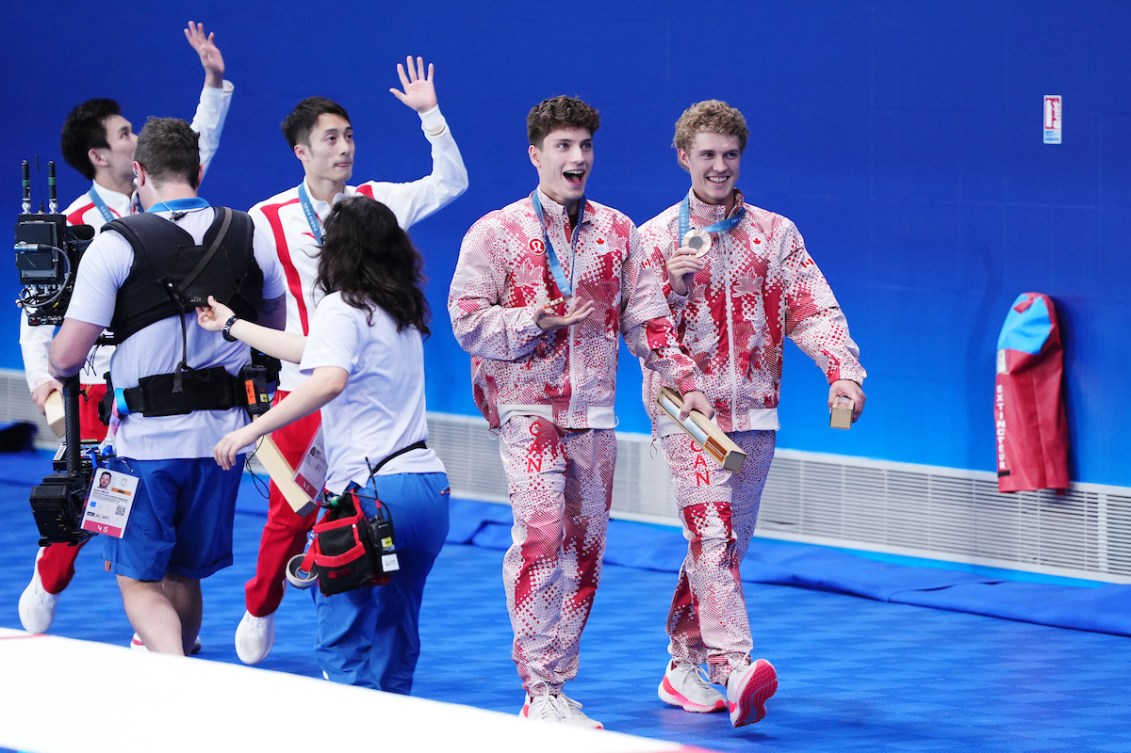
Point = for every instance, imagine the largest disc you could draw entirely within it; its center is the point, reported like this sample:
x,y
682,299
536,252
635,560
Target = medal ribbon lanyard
x,y
566,286
724,225
308,210
100,205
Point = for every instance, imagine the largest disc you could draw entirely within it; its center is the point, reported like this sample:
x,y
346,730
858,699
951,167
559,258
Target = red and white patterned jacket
x,y
568,375
759,286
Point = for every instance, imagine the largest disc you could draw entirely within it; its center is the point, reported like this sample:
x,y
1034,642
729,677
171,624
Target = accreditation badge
x,y
109,502
311,471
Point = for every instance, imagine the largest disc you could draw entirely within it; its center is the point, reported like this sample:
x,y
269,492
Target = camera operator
x,y
99,142
177,383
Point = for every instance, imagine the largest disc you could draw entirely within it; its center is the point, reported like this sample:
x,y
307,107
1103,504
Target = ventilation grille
x,y
948,514
920,511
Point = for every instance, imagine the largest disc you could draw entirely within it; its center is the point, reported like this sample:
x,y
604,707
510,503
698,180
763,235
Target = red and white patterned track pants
x,y
708,620
561,485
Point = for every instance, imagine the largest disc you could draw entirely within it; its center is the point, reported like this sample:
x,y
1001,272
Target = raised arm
x,y
415,200
418,91
215,98
210,58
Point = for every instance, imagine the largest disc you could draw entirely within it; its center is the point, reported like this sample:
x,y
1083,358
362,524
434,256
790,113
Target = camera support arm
x,y
72,430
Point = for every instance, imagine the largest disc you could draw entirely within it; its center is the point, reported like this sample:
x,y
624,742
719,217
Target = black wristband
x,y
227,331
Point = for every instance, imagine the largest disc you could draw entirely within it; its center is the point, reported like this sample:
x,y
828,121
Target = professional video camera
x,y
47,257
57,503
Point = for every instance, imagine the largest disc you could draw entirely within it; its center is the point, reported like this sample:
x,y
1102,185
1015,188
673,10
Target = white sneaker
x,y
557,708
254,637
686,686
542,708
137,643
37,607
572,714
748,690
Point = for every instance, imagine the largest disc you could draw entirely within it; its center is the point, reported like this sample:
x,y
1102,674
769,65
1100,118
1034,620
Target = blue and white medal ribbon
x,y
724,225
566,286
99,204
308,210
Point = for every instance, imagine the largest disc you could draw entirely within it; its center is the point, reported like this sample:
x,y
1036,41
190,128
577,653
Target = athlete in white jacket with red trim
x,y
321,135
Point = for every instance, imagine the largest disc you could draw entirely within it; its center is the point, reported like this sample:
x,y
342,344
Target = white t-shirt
x,y
156,349
382,407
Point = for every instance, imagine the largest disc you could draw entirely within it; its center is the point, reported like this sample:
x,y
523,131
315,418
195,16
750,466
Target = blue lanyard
x,y
724,225
100,205
308,210
180,205
566,286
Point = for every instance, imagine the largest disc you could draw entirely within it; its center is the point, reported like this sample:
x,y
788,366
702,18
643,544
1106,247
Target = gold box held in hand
x,y
704,431
840,416
56,417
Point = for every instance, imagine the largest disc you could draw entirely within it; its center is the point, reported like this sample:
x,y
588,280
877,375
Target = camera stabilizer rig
x,y
47,257
57,502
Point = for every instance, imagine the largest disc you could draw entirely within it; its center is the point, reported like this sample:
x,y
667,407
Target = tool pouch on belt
x,y
348,550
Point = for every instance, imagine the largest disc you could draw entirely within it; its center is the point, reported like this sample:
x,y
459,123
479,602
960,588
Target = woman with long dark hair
x,y
364,356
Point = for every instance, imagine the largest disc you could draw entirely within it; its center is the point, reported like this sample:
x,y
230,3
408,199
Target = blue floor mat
x,y
1104,609
857,674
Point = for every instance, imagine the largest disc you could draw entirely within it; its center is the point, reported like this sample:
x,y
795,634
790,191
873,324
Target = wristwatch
x,y
227,331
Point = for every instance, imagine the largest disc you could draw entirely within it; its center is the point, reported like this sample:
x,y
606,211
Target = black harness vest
x,y
164,255
170,276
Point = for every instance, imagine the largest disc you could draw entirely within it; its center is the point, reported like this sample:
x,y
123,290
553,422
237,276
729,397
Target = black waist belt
x,y
203,389
421,445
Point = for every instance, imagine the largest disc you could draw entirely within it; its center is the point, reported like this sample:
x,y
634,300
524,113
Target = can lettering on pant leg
x,y
699,466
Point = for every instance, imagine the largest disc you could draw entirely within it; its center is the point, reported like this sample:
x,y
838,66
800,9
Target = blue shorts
x,y
181,520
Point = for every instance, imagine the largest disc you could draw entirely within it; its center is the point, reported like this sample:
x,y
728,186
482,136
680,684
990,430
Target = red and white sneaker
x,y
686,686
748,690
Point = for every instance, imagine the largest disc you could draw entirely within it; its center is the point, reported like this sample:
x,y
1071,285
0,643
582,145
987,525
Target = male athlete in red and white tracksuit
x,y
283,218
55,564
550,395
759,286
755,285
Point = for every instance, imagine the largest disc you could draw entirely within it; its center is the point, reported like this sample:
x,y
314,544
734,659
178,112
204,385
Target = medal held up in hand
x,y
698,240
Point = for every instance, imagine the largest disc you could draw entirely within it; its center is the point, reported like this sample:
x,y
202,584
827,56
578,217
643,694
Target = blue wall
x,y
904,139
